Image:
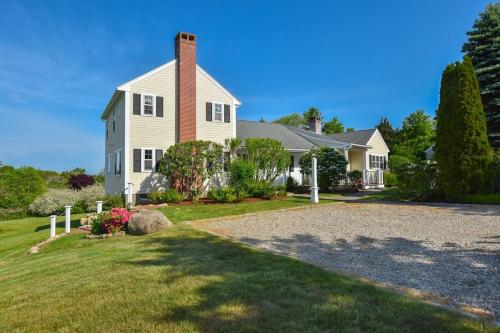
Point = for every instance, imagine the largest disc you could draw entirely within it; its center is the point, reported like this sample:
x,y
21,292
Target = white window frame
x,y
118,162
380,162
153,166
142,105
221,112
108,162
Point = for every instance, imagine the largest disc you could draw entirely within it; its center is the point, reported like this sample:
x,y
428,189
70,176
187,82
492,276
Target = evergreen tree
x,y
483,46
389,134
462,150
312,113
333,126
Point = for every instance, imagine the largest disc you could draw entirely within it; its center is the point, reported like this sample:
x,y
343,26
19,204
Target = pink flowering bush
x,y
112,221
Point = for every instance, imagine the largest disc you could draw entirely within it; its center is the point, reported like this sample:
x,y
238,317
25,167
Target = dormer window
x,y
148,105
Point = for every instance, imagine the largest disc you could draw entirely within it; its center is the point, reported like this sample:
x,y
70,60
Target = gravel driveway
x,y
448,251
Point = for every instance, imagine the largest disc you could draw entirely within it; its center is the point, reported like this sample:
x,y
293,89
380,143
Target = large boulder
x,y
147,221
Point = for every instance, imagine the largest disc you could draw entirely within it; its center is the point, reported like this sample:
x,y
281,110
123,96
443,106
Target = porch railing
x,y
373,178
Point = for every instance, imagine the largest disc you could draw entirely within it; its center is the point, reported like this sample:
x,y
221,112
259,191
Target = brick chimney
x,y
315,125
185,53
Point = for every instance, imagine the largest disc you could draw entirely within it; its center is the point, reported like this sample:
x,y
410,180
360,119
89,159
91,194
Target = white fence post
x,y
314,188
129,195
99,207
67,226
52,226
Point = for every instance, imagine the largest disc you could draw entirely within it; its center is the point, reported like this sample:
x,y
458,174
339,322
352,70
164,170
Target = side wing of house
x,y
114,178
377,155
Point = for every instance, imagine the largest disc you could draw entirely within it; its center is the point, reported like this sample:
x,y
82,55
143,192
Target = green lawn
x,y
178,213
183,280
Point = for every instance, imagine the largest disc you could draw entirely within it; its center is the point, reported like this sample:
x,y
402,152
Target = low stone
x,y
147,221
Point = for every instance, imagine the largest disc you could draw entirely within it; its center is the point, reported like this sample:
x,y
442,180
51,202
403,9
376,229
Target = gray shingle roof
x,y
358,137
290,140
320,140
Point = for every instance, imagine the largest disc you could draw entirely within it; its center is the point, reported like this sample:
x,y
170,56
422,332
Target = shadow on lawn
x,y
235,288
61,224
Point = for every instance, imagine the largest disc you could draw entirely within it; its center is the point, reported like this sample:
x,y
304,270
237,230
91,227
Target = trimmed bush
x,y
112,200
170,195
417,181
77,182
261,190
390,179
291,184
241,174
225,194
356,178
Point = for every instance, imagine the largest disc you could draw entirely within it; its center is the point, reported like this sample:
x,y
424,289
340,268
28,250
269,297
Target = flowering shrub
x,y
112,221
77,182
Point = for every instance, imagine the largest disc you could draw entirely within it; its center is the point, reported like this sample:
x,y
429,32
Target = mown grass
x,y
179,213
184,280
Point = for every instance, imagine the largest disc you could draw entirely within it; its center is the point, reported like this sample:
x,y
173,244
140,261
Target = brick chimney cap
x,y
185,37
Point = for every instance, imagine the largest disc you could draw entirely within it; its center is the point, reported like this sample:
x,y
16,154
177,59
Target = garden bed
x,y
208,201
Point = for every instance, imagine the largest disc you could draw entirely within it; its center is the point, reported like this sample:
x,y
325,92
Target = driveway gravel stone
x,y
450,251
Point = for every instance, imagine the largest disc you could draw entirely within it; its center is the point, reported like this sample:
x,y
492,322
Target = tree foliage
x,y
390,134
333,126
312,113
331,166
295,119
269,157
19,187
189,166
416,135
462,150
483,47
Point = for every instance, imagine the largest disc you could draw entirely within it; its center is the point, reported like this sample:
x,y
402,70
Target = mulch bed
x,y
202,201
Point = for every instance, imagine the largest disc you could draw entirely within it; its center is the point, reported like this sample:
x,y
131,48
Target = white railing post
x,y
67,226
99,207
129,195
380,178
53,226
314,188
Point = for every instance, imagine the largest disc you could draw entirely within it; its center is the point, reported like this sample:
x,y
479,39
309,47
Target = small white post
x,y
67,226
129,195
99,207
314,188
52,226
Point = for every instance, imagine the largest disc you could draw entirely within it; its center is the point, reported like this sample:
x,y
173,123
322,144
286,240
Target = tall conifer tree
x,y
483,46
463,153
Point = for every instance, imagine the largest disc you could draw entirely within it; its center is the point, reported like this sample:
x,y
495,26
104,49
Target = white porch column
x,y
99,207
53,226
67,226
346,155
380,178
314,188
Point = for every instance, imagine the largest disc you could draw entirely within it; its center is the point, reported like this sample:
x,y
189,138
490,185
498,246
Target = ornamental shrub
x,y
291,184
112,221
170,195
224,194
390,179
77,182
241,174
418,181
112,200
331,166
189,165
268,156
355,178
261,189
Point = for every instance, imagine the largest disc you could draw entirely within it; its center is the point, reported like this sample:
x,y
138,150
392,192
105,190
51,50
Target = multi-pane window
x,y
217,112
292,162
108,164
148,160
118,162
377,162
114,121
148,105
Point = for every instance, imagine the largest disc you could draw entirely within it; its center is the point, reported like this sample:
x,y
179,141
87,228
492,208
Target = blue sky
x,y
358,60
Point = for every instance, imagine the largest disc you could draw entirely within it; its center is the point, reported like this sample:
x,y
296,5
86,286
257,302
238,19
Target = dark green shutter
x,y
209,111
159,106
137,160
227,113
137,104
158,156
